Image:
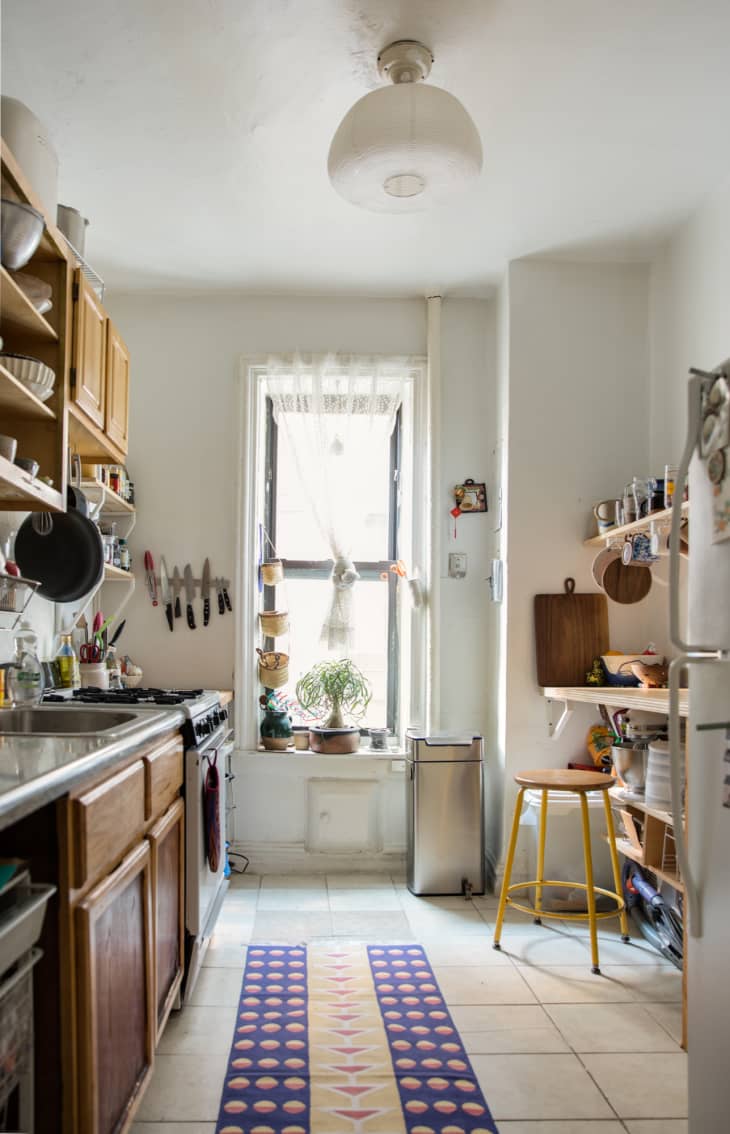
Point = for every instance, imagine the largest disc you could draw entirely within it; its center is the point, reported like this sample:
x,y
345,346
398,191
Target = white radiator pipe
x,y
433,347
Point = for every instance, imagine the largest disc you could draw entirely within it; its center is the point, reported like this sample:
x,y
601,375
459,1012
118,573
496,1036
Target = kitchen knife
x,y
226,599
219,593
189,594
165,592
205,592
176,588
118,632
149,574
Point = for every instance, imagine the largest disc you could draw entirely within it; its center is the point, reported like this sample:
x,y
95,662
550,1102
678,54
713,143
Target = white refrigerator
x,y
704,656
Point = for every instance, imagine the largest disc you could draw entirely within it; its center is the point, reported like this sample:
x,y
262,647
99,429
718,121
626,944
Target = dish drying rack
x,y
15,594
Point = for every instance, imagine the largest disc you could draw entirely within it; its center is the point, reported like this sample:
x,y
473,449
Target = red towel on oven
x,y
211,814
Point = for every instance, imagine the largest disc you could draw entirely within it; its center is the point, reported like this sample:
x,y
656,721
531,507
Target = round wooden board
x,y
626,584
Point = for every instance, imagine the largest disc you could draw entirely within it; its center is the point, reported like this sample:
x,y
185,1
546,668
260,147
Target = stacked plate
x,y
658,788
38,378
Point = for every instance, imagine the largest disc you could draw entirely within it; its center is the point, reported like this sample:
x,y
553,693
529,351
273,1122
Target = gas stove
x,y
202,707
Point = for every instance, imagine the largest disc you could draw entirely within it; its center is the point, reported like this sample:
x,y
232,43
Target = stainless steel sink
x,y
72,721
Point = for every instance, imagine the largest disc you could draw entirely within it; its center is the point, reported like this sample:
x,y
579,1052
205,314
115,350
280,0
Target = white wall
x,y
185,365
577,431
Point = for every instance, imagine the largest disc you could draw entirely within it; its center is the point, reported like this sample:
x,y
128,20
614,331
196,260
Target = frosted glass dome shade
x,y
403,148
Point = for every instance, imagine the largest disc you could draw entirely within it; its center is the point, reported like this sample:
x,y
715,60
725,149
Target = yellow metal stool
x,y
559,779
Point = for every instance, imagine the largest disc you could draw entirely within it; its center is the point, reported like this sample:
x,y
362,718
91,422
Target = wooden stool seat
x,y
546,780
564,779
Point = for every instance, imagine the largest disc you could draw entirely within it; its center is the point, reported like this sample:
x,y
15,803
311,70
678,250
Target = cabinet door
x,y
117,388
167,842
89,352
115,981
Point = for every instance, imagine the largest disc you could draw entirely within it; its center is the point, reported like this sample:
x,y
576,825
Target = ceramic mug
x,y
637,549
608,515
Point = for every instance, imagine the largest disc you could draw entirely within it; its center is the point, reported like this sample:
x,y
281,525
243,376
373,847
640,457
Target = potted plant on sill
x,y
333,690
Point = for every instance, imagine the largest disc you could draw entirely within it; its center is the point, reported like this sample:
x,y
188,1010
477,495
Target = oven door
x,y
203,886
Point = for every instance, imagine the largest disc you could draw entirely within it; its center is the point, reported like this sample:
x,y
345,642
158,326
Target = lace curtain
x,y
316,401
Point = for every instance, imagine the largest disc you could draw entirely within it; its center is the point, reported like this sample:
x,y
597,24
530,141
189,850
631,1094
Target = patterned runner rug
x,y
354,1039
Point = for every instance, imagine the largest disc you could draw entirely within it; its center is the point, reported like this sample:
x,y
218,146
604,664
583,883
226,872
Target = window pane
x,y
307,600
364,493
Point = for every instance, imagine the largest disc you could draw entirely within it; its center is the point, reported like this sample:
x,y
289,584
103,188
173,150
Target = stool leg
x,y
611,832
541,855
508,866
590,892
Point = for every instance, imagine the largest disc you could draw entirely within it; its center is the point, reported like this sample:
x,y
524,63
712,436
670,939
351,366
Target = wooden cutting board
x,y
570,631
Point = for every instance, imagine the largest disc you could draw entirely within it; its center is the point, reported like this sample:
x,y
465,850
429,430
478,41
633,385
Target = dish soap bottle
x,y
68,664
25,673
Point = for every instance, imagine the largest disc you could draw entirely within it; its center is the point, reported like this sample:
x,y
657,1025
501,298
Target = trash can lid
x,y
444,739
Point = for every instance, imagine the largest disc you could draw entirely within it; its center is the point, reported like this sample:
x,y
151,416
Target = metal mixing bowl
x,y
22,229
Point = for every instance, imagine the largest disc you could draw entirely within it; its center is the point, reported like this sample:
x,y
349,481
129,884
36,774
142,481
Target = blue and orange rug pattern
x,y
350,1039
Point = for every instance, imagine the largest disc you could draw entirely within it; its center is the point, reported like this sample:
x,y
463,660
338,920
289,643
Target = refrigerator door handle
x,y
692,899
696,384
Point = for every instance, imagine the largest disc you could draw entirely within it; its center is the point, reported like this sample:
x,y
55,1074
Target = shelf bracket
x,y
557,726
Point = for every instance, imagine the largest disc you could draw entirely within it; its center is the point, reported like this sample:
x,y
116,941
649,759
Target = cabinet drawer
x,y
164,769
107,820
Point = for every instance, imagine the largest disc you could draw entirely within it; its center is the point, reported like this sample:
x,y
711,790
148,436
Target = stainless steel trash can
x,y
444,814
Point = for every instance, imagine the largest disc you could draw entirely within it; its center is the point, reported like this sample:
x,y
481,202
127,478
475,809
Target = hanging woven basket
x,y
274,622
272,572
273,668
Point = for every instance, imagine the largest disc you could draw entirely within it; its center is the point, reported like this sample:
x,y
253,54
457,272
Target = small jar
x,y
94,675
124,559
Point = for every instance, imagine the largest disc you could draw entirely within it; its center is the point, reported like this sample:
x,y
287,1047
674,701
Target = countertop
x,y
35,769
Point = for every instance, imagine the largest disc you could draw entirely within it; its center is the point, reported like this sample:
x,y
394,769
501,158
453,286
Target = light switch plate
x,y
457,564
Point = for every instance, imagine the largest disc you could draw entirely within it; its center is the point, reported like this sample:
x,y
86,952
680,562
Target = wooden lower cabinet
x,y
167,844
115,966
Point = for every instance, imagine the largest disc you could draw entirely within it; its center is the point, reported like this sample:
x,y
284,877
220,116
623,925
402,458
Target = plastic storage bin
x,y
564,846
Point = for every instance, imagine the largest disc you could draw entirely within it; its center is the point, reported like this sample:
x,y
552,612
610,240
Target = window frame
x,y
370,569
417,490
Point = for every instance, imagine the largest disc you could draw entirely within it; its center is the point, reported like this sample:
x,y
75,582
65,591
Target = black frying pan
x,y
68,562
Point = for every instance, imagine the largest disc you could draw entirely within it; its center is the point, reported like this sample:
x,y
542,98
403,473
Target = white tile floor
x,y
556,1049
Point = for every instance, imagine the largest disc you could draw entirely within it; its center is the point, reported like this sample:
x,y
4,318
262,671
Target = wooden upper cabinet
x,y
89,352
117,388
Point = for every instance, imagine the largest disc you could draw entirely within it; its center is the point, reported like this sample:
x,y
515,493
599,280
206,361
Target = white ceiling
x,y
194,133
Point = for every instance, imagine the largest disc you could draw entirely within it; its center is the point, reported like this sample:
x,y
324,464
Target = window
x,y
292,528
335,469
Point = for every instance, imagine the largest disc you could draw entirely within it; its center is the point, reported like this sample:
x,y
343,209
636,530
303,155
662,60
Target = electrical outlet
x,y
457,564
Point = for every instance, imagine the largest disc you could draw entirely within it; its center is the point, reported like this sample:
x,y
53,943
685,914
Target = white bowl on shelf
x,y
31,373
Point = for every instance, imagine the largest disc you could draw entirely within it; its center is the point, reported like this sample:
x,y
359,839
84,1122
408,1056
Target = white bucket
x,y
564,848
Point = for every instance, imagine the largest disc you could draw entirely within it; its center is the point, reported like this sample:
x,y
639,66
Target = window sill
x,y
299,753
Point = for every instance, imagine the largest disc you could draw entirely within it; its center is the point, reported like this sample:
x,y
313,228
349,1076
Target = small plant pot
x,y
272,572
276,730
301,738
274,622
334,741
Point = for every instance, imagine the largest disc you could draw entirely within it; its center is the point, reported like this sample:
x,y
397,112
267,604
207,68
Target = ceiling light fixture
x,y
403,148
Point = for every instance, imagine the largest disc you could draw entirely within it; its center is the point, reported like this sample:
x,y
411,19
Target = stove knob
x,y
198,728
223,715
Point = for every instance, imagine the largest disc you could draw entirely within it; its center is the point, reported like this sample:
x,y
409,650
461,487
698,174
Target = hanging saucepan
x,y
68,561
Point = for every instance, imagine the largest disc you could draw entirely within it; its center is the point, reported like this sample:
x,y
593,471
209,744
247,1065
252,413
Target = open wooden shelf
x,y
17,401
642,525
114,504
116,575
624,847
18,491
19,314
620,697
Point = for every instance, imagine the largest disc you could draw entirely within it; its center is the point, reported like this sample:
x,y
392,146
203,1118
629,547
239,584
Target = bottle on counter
x,y
114,668
25,674
68,664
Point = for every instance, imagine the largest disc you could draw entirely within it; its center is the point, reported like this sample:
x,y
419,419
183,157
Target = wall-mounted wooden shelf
x,y
116,575
620,697
642,525
17,401
112,503
19,314
20,492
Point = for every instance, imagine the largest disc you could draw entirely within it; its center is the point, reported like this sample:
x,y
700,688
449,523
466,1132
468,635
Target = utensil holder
x,y
94,675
